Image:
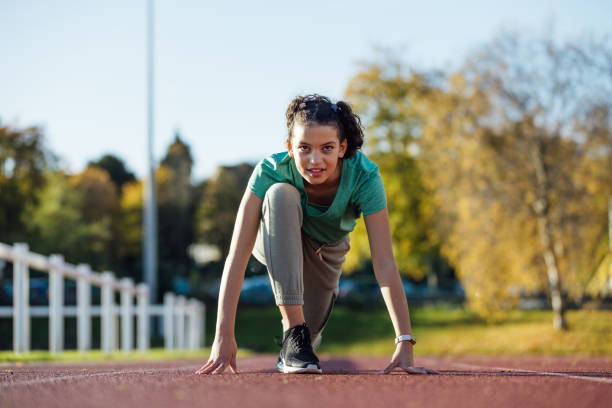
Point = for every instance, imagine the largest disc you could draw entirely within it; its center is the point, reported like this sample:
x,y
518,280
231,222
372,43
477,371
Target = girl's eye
x,y
328,148
303,148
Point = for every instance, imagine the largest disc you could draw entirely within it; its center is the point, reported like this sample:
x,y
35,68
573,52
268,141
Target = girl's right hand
x,y
222,355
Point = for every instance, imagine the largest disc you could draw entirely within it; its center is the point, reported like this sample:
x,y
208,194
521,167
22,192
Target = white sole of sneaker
x,y
310,369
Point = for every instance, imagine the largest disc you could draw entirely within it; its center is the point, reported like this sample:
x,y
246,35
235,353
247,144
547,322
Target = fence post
x,y
180,323
201,324
21,300
188,323
169,321
83,308
197,325
192,327
56,304
108,325
115,331
143,317
127,318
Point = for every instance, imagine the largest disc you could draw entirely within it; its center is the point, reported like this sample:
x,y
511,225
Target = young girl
x,y
295,217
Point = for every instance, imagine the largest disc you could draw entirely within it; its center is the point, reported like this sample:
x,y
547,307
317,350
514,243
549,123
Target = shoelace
x,y
301,337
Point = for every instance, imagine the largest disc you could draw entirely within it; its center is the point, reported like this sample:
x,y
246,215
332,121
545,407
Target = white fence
x,y
183,319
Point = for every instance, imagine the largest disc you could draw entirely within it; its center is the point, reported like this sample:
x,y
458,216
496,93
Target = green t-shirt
x,y
361,190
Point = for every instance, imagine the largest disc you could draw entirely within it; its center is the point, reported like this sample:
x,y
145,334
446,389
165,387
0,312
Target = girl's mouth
x,y
316,172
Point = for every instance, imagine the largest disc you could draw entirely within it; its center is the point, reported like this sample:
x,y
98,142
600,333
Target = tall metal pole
x,y
150,205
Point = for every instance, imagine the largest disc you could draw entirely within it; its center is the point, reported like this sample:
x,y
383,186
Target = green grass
x,y
441,331
97,355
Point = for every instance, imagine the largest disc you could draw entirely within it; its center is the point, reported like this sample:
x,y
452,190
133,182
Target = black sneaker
x,y
296,355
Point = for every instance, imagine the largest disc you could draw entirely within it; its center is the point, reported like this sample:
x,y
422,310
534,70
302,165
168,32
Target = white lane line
x,y
90,375
46,380
522,370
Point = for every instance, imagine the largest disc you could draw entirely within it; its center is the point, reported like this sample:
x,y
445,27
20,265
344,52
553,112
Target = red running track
x,y
354,382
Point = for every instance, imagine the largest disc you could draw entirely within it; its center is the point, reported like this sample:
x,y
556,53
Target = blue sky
x,y
225,71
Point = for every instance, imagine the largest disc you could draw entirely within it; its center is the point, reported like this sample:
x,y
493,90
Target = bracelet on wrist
x,y
405,337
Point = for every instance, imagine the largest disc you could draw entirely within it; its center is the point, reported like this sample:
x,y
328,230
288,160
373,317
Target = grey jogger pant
x,y
302,270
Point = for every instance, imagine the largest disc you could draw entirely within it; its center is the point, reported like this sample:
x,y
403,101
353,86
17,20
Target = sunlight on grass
x,y
441,331
521,333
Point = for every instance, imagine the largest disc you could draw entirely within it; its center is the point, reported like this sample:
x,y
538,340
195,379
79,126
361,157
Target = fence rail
x,y
183,318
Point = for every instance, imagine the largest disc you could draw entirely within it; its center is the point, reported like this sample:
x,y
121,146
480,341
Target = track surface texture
x,y
353,382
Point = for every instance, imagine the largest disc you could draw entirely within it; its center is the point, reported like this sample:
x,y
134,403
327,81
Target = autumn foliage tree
x,y
512,144
507,165
383,95
73,216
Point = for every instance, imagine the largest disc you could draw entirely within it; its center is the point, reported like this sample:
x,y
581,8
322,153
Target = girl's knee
x,y
282,192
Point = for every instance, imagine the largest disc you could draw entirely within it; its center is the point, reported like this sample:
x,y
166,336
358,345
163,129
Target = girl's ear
x,y
343,146
289,147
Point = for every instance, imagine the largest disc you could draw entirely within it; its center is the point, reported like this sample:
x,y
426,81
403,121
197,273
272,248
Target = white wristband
x,y
405,337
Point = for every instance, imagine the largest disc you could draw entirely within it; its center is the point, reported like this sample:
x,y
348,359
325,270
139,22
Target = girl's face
x,y
317,150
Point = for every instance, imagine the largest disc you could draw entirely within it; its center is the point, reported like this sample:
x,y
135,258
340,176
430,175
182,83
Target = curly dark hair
x,y
318,109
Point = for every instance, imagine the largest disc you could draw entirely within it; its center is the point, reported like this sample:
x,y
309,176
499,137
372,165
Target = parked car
x,y
358,292
346,286
256,290
409,287
39,291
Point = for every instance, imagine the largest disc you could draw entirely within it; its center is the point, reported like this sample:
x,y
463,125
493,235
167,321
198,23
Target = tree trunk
x,y
554,281
541,209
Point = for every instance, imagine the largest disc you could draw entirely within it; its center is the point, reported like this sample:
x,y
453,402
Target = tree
x,y
56,224
175,193
175,217
23,162
216,213
99,208
511,147
100,198
129,229
116,169
384,96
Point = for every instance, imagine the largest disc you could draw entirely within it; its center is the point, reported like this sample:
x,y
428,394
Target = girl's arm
x,y
223,352
385,270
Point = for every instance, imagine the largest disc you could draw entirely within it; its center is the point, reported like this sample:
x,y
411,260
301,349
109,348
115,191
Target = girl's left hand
x,y
404,359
